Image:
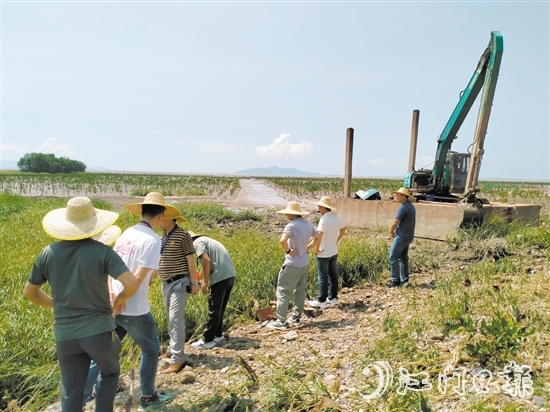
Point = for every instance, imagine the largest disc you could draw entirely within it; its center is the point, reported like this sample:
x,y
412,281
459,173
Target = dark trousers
x,y
217,302
74,360
327,274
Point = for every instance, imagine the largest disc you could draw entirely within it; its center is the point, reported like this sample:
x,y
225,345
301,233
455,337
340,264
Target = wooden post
x,y
414,139
347,166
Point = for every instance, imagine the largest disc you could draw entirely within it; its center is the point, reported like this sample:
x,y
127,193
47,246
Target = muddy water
x,y
254,193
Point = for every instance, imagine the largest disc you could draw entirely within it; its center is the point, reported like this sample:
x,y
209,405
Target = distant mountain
x,y
97,169
275,171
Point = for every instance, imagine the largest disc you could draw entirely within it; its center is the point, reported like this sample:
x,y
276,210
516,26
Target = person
x,y
332,228
402,230
77,268
139,246
217,274
292,279
107,237
178,274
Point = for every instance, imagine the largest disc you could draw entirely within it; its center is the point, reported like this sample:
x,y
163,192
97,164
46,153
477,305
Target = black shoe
x,y
393,284
404,283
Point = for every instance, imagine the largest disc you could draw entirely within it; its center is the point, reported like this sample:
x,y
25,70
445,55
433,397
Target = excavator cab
x,y
456,171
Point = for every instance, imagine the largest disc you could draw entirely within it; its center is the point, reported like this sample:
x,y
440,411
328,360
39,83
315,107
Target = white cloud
x,y
376,161
52,145
8,148
281,147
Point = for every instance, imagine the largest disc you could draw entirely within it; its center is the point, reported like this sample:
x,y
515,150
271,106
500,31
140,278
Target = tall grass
x,y
116,184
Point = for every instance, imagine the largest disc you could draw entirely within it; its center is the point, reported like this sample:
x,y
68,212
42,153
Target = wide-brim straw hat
x,y
180,219
325,202
154,198
194,235
404,191
109,235
79,220
293,208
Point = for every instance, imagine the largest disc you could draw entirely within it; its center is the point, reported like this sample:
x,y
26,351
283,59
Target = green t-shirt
x,y
77,273
221,264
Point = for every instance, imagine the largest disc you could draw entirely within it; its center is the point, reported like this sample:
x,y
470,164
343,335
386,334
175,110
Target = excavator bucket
x,y
434,220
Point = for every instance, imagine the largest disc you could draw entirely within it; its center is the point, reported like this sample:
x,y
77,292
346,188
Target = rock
x,y
289,336
437,337
370,310
223,370
538,401
186,377
313,313
330,378
358,303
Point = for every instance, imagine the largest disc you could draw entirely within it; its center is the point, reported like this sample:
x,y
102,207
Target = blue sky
x,y
217,87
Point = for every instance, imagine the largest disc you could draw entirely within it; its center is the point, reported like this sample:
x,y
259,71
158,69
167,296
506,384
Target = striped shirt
x,y
176,246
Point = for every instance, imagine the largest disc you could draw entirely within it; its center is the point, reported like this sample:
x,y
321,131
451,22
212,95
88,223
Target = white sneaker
x,y
317,304
332,302
219,339
201,344
277,324
293,323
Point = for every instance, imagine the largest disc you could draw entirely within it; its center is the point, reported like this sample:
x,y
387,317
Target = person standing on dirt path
x,y
402,230
178,274
218,275
77,269
292,280
332,228
139,246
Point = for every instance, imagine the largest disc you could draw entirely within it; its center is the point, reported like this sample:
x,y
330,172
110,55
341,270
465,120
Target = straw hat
x,y
109,235
293,208
404,191
154,198
326,202
180,219
194,235
79,220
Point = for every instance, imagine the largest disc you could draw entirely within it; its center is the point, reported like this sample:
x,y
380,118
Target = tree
x,y
48,163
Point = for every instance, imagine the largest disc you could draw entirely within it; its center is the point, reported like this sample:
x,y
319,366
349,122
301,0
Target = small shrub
x,y
498,339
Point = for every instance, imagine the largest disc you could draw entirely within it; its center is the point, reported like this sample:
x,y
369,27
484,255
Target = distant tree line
x,y
48,163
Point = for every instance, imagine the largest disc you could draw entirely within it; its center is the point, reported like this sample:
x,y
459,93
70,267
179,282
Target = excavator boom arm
x,y
485,76
490,84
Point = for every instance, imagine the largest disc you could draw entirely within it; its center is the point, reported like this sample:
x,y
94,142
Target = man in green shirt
x,y
218,275
77,268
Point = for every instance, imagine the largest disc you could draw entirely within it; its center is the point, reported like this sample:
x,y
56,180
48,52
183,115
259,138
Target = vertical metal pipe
x,y
347,166
414,139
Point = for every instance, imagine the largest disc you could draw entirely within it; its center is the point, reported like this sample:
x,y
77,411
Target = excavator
x,y
454,176
446,195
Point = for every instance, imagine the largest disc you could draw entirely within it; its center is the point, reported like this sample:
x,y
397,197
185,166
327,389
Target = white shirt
x,y
139,247
330,224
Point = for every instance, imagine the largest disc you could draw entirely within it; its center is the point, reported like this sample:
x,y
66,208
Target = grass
x,y
488,326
